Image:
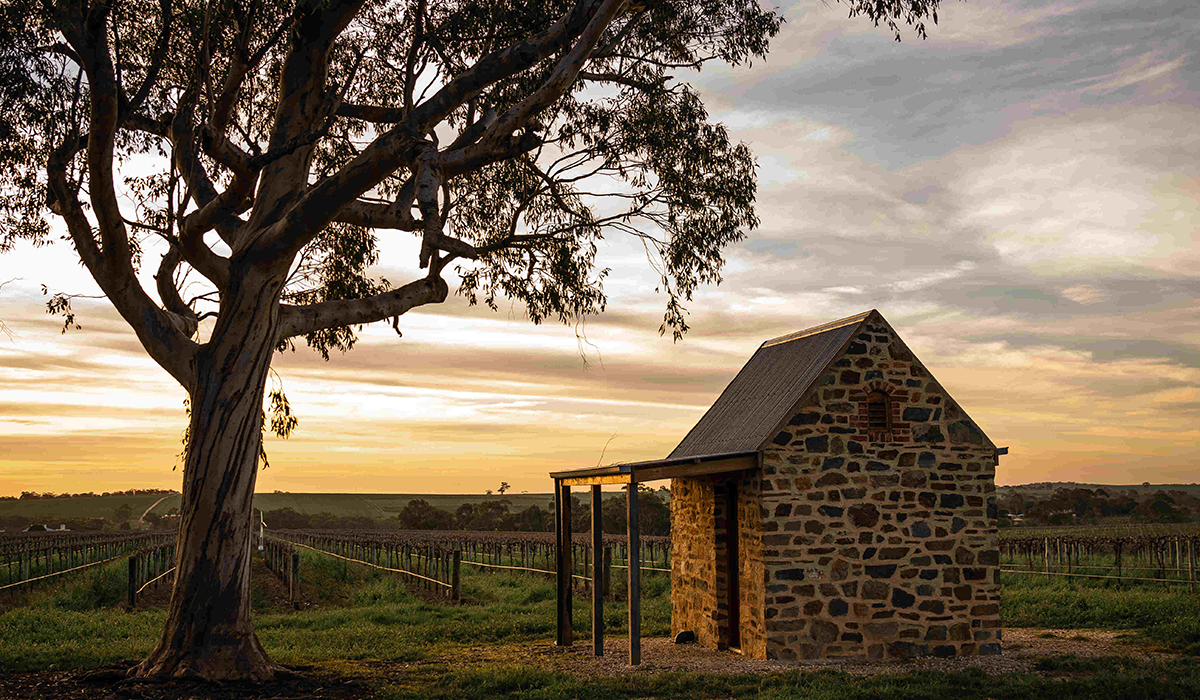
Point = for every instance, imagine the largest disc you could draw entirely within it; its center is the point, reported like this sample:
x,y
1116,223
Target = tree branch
x,y
111,264
371,113
191,238
403,143
158,331
184,316
378,215
310,318
560,79
156,60
302,97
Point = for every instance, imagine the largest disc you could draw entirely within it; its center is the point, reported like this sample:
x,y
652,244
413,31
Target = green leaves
x,y
283,421
32,117
332,267
911,12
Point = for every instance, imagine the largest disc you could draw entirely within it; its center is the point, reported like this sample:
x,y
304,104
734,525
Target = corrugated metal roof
x,y
766,388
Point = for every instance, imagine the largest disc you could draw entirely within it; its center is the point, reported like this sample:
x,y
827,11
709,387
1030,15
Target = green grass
x,y
1108,678
1168,618
361,614
357,614
46,638
360,617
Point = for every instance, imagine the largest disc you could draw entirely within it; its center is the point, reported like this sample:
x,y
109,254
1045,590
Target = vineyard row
x,y
433,559
27,559
1158,559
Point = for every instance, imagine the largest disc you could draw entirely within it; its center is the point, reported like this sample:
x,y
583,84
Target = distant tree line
x,y
654,515
489,516
1075,506
35,496
495,515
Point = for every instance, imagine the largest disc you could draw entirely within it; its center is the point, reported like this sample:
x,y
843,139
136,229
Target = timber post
x,y
133,567
558,567
635,578
454,590
1191,565
568,568
294,578
599,572
607,572
562,550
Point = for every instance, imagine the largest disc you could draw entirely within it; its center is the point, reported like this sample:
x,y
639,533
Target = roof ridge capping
x,y
857,318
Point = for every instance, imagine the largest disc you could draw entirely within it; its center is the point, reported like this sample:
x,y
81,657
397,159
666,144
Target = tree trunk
x,y
208,633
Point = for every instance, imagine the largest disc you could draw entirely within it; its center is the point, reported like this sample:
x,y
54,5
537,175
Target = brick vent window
x,y
879,412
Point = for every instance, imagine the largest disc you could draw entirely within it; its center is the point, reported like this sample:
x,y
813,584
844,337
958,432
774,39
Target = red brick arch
x,y
898,431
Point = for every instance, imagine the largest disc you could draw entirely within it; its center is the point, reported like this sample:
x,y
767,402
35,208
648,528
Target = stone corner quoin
x,y
852,542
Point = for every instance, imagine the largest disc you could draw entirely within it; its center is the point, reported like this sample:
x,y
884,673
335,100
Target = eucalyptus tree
x,y
255,152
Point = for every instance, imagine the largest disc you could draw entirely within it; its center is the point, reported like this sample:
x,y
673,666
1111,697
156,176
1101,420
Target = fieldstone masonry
x,y
855,540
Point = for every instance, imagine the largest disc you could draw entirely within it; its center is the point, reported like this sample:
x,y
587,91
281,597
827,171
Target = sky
x,y
1018,195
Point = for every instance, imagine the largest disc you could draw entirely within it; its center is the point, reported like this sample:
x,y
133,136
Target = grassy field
x,y
403,646
1152,615
355,613
42,510
1113,678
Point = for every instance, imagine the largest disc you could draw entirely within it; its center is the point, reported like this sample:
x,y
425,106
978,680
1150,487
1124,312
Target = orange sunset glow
x,y
1022,208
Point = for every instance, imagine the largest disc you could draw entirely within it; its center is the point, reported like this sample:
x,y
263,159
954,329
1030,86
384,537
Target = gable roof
x,y
766,389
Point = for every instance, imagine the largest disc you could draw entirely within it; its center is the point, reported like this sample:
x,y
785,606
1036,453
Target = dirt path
x,y
153,506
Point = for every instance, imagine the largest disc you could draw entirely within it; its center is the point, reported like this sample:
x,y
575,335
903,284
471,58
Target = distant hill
x,y
1045,488
382,505
378,506
44,509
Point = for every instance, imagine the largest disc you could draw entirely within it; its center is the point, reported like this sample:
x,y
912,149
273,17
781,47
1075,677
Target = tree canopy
x,y
510,138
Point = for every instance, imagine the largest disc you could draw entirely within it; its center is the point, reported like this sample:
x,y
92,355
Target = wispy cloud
x,y
1018,195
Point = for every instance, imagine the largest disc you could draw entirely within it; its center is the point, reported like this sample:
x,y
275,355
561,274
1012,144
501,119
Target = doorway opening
x,y
732,572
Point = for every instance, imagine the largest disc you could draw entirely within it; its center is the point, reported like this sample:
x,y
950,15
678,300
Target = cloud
x,y
912,284
1083,294
1017,195
984,68
1139,69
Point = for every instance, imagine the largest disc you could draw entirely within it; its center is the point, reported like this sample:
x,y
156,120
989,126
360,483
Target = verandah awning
x,y
631,474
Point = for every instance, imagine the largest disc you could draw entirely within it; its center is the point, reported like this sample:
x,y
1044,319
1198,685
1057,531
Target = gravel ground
x,y
1023,648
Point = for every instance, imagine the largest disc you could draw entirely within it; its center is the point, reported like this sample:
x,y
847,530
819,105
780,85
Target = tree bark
x,y
208,633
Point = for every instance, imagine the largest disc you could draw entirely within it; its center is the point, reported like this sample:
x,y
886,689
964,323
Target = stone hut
x,y
866,523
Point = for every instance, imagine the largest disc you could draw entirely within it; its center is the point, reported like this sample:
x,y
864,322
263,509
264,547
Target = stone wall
x,y
693,560
751,566
699,576
879,543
